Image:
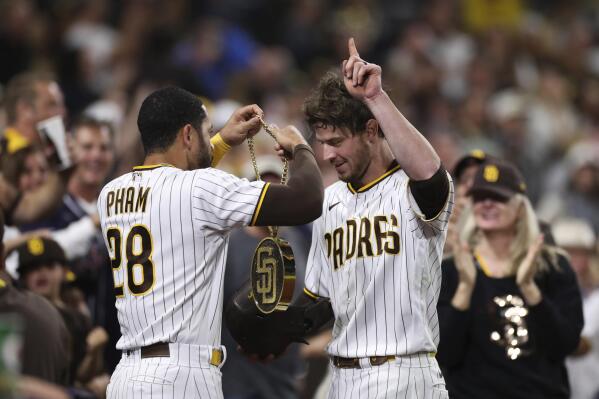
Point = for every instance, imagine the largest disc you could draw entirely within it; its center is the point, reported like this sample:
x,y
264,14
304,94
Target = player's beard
x,y
360,161
204,159
200,159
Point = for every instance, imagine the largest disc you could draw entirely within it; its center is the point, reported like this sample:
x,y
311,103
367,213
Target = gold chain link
x,y
274,230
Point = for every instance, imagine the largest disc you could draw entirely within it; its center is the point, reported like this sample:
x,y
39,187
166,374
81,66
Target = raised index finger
x,y
352,48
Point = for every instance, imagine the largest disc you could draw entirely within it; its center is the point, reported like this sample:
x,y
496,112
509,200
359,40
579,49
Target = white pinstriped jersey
x,y
166,231
379,261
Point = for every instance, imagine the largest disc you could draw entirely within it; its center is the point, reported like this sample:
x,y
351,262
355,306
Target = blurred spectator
x,y
213,52
42,271
552,122
91,142
578,194
452,50
96,41
491,14
31,206
242,378
76,222
16,37
28,170
510,309
45,352
578,239
516,78
463,175
29,99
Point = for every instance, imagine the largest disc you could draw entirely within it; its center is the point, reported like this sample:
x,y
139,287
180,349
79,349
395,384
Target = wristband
x,y
219,148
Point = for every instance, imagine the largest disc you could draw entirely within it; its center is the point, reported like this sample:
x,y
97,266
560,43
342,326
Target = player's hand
x,y
528,267
245,122
287,138
362,79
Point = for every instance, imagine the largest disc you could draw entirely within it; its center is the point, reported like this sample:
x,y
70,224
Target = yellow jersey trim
x,y
310,294
219,149
374,182
259,206
150,167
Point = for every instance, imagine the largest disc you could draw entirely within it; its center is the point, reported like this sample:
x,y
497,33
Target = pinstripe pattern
x,y
189,215
384,301
416,378
384,304
181,376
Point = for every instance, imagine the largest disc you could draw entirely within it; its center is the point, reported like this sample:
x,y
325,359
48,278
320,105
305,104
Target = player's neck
x,y
168,157
379,164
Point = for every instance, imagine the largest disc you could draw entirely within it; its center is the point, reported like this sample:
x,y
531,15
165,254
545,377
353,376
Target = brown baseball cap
x,y
474,157
499,179
37,251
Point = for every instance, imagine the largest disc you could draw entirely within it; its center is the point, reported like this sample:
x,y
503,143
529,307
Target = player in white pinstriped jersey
x,y
377,248
166,228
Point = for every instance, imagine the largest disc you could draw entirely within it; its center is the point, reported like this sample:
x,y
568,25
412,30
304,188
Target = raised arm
x,y
37,204
411,150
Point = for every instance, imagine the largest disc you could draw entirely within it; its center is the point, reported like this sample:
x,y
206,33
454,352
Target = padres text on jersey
x,y
379,261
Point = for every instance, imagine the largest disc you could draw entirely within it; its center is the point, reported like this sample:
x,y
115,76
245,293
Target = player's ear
x,y
372,129
187,135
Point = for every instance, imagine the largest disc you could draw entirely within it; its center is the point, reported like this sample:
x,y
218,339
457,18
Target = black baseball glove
x,y
270,334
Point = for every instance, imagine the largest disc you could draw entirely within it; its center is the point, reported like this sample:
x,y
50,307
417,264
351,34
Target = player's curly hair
x,y
330,104
163,113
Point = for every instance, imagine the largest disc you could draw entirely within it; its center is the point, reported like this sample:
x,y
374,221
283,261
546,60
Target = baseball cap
x,y
574,233
498,178
474,157
37,251
267,164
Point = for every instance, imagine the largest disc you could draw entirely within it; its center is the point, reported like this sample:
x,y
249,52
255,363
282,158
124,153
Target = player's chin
x,y
343,173
343,178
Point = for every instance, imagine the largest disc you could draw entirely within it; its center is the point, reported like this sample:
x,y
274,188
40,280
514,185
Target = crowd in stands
x,y
515,80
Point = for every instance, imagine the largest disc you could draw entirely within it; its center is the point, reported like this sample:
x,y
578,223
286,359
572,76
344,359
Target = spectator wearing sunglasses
x,y
510,310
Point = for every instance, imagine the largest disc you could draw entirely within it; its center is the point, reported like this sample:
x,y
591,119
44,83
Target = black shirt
x,y
475,366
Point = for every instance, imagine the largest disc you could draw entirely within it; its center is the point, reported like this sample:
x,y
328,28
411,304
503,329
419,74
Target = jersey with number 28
x,y
166,231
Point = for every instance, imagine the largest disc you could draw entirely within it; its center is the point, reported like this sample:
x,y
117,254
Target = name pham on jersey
x,y
126,200
365,237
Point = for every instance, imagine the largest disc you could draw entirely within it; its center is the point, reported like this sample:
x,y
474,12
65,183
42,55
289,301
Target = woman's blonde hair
x,y
527,230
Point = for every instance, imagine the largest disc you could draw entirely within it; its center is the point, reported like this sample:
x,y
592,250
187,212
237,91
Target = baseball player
x,y
377,248
166,227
